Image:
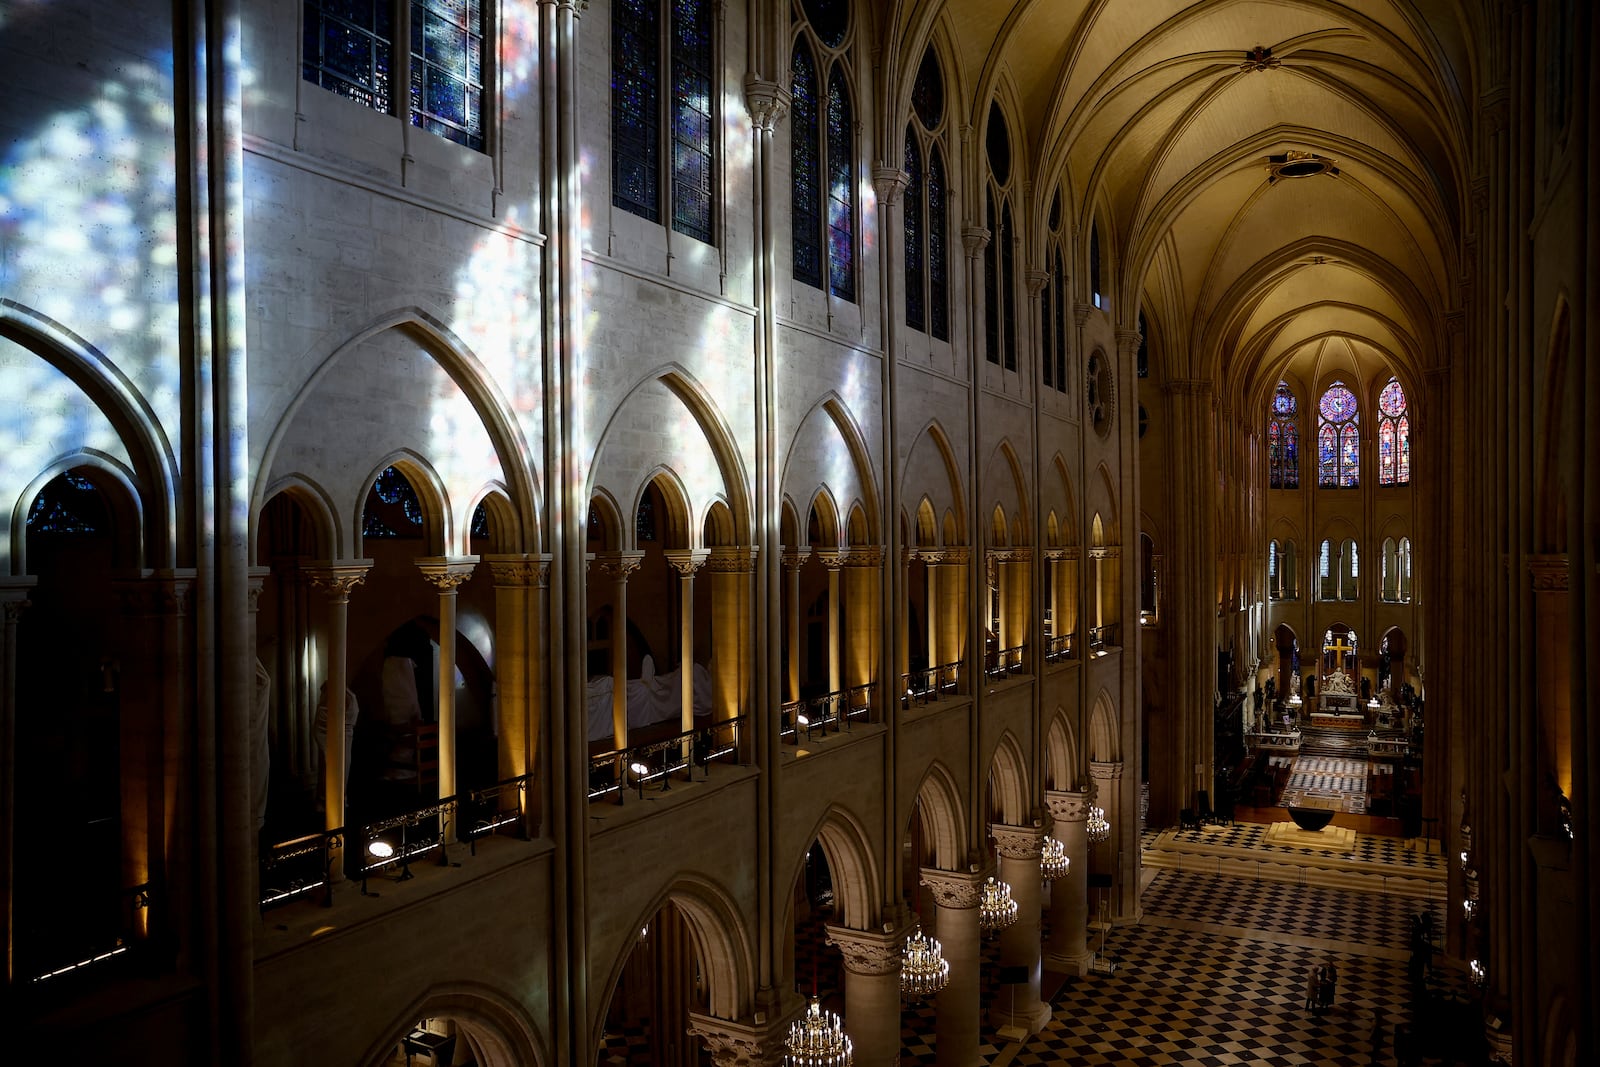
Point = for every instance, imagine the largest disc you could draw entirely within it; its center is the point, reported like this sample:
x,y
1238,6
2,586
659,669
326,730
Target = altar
x,y
1337,698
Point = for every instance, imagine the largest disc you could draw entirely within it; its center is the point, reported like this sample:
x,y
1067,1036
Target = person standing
x,y
1313,988
1377,1034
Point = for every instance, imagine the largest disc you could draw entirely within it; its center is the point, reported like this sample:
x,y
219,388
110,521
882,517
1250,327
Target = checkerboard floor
x,y
1369,848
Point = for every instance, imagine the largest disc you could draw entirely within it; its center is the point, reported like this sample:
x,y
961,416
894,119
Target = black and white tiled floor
x,y
1369,848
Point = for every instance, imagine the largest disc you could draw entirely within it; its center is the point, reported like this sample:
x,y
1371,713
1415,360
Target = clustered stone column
x,y
1018,1005
953,612
732,628
618,566
520,586
792,562
1108,789
686,562
871,992
956,895
862,602
1069,951
14,601
833,560
742,1044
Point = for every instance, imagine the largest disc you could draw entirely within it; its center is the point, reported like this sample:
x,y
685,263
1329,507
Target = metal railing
x,y
1288,740
644,765
400,839
830,711
997,663
292,869
133,906
487,811
930,683
1059,648
1102,637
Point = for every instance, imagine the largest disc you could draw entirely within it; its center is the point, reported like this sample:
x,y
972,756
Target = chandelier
x,y
1053,861
818,1040
923,968
1099,829
996,909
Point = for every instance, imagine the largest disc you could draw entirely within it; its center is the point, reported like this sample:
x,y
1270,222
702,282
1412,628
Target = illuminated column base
x,y
956,927
1017,1009
1068,951
871,993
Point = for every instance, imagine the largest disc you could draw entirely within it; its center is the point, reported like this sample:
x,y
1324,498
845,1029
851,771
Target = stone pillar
x,y
337,579
1114,853
930,562
755,1043
956,926
1017,602
519,583
792,562
686,562
902,611
447,573
833,561
953,585
1018,1006
617,566
862,604
732,629
14,601
1069,951
871,993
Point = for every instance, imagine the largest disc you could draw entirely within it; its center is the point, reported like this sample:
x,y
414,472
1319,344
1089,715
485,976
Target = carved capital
x,y
738,1044
889,183
1548,574
337,578
740,559
956,555
953,889
1017,842
14,610
615,565
1081,313
156,596
974,239
686,561
767,102
1020,554
515,569
1037,280
794,559
1106,772
868,951
864,556
830,558
447,572
1068,805
1128,341
254,583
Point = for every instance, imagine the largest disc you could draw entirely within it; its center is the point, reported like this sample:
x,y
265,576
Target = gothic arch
x,y
829,528
857,883
1008,782
504,532
861,465
318,506
1018,504
939,803
131,417
605,507
680,521
462,366
438,522
1069,512
1552,477
497,1029
916,480
1109,514
720,941
1105,744
1060,752
115,483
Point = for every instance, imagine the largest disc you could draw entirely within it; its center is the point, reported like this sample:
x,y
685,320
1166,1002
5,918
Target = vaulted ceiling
x,y
1161,120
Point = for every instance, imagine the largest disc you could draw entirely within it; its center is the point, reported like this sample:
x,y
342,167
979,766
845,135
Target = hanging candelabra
x,y
1053,861
923,968
1099,829
817,1039
996,909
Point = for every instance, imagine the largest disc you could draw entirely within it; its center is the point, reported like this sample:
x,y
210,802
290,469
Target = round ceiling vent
x,y
1299,165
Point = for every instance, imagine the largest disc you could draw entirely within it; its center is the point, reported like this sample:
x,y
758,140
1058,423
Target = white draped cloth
x,y
652,698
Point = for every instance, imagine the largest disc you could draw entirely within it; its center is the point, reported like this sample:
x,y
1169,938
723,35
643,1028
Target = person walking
x,y
1313,987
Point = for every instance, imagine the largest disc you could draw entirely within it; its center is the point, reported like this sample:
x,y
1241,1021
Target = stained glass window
x,y
1283,440
68,505
998,143
393,509
447,69
692,127
1008,275
1094,266
938,258
635,108
927,93
1338,442
830,19
806,156
349,48
1047,362
1394,436
915,295
991,286
841,188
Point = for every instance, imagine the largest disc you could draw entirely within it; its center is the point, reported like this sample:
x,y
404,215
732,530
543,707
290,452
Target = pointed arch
x,y
113,480
680,522
603,508
499,1029
471,376
438,532
916,479
131,417
857,883
830,530
1008,782
1105,738
938,802
504,532
1060,752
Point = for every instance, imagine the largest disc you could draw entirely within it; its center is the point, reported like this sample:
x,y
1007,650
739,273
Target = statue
x,y
260,746
1366,688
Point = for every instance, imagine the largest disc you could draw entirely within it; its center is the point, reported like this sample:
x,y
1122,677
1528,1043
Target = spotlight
x,y
380,850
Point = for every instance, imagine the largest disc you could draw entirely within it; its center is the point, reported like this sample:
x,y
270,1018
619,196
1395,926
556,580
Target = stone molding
x,y
14,610
831,558
1199,387
1037,280
954,889
1017,842
447,572
974,239
617,566
254,583
889,183
744,1044
737,560
868,952
1548,573
956,555
155,596
796,558
1128,340
1068,805
686,561
864,556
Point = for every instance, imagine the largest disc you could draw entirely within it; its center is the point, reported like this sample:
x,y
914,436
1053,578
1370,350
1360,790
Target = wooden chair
x,y
1187,820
